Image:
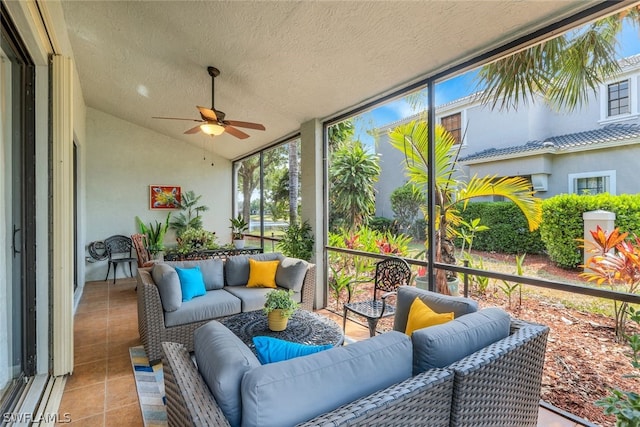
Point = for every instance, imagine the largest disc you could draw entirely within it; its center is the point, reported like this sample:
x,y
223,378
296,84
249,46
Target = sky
x,y
458,87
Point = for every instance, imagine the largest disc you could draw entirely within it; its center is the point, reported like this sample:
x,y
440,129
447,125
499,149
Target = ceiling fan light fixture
x,y
212,129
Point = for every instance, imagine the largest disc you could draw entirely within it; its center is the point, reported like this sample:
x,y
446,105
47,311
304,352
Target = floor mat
x,y
150,387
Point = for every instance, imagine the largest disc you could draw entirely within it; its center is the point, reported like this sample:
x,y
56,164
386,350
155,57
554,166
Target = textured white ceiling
x,y
282,62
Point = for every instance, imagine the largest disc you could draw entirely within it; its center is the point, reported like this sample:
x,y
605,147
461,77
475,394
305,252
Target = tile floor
x,y
102,391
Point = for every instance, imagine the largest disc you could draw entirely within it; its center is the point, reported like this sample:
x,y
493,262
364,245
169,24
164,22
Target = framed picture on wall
x,y
164,196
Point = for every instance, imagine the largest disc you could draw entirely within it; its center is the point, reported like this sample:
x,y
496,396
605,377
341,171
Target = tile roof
x,y
608,133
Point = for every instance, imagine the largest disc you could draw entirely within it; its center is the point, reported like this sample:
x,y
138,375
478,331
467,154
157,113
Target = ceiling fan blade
x,y
193,130
207,114
176,118
235,132
249,125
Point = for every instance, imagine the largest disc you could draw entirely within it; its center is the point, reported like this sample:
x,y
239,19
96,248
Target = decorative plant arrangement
x,y
155,234
238,227
190,215
197,239
297,241
279,307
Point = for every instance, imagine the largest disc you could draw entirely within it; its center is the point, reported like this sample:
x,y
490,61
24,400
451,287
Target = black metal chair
x,y
119,251
391,273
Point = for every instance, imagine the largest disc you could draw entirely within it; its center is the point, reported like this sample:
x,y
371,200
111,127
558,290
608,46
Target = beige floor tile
x,y
120,392
119,366
124,416
90,353
89,337
84,401
92,421
85,374
92,306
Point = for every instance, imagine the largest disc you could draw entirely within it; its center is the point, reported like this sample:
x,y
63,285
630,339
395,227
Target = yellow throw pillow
x,y
421,316
262,274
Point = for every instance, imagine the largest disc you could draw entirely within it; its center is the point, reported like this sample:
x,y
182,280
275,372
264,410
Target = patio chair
x,y
118,250
140,244
390,274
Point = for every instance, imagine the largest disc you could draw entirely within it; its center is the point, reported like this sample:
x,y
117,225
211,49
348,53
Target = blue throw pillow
x,y
270,350
191,283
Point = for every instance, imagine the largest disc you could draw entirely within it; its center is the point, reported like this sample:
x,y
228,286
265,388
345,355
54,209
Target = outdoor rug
x,y
150,387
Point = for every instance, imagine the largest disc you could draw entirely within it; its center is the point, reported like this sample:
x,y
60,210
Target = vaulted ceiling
x,y
282,63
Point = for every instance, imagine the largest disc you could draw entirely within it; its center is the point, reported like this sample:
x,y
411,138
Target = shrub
x,y
508,229
562,224
382,224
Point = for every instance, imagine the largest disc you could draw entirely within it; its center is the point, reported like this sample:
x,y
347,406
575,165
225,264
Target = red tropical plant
x,y
616,262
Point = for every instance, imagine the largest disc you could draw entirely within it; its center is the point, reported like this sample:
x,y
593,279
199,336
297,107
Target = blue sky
x,y
458,87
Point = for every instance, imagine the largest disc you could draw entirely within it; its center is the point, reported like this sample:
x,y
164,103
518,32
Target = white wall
x,y
123,159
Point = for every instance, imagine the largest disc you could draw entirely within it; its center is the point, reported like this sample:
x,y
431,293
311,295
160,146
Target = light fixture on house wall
x,y
213,129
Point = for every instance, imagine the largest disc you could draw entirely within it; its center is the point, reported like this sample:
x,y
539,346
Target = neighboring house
x,y
594,149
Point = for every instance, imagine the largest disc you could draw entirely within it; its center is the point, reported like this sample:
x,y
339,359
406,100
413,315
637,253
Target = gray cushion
x,y
222,361
290,273
252,298
212,271
287,393
440,345
436,302
168,283
236,268
212,305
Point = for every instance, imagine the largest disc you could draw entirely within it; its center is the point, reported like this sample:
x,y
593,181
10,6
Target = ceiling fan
x,y
212,120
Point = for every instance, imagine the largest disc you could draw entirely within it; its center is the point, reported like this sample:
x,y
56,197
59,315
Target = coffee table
x,y
304,327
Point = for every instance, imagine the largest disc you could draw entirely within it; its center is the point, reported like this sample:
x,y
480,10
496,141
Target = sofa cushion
x,y
271,350
236,268
437,302
213,304
212,271
291,273
296,390
222,361
252,298
421,316
168,284
191,283
262,274
441,345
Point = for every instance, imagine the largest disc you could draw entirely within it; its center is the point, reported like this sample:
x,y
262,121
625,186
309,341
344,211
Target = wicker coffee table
x,y
304,327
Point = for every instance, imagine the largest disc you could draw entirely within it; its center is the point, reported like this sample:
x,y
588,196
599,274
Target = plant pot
x,y
453,284
277,322
422,283
239,244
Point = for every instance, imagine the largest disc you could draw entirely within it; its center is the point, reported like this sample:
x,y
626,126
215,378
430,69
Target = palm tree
x,y
352,175
564,70
452,193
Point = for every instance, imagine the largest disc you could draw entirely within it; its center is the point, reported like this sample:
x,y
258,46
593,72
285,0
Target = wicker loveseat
x,y
497,385
155,324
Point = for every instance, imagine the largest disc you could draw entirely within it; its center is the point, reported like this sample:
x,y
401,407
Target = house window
x,y
453,124
618,98
593,182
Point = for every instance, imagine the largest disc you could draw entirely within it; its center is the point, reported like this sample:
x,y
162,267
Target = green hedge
x,y
562,223
508,229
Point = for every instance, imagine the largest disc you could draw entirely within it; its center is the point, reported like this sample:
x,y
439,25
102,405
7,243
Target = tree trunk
x,y
293,182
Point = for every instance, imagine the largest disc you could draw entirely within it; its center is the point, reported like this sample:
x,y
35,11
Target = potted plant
x,y
238,228
155,235
279,307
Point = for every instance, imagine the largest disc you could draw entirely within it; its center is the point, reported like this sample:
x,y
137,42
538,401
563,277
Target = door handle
x,y
13,241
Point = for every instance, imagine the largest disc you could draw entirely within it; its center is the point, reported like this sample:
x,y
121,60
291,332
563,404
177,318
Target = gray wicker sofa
x,y
226,295
497,384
